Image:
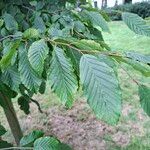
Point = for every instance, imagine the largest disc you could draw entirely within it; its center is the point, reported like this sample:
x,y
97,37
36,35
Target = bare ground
x,y
79,128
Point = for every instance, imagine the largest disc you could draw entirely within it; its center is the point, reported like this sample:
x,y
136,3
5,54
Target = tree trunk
x,y
11,118
95,4
104,3
127,1
116,3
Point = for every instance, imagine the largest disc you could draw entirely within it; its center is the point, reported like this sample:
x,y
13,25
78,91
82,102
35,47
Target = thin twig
x,y
109,54
38,105
135,81
85,51
28,8
6,37
52,13
69,45
81,35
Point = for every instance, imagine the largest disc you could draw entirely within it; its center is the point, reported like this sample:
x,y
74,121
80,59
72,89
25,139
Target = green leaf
x,y
37,54
4,32
105,15
28,76
46,143
39,24
94,34
79,26
31,33
5,90
24,104
2,130
75,58
4,144
102,12
55,17
96,20
144,69
107,60
104,45
1,22
7,58
11,78
10,22
55,32
62,78
139,57
101,88
50,143
81,45
33,3
28,140
136,24
141,67
87,45
42,87
63,146
144,93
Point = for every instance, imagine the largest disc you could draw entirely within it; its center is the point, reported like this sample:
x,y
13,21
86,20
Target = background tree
x,y
127,1
104,3
95,4
116,3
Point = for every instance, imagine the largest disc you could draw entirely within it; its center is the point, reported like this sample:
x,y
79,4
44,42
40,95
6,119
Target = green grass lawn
x,y
123,39
120,39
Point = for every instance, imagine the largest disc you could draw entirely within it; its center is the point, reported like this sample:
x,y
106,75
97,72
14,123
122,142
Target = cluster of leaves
x,y
36,140
53,41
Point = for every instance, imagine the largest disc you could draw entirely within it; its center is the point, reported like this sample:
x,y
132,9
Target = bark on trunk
x,y
11,118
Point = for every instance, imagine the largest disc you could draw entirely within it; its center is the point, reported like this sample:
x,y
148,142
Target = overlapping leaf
x,y
81,45
62,78
2,130
139,57
144,93
23,102
87,45
144,69
46,143
50,143
29,139
79,26
95,19
136,23
101,88
75,58
37,54
31,33
28,76
102,12
39,24
10,22
7,57
1,22
11,78
5,144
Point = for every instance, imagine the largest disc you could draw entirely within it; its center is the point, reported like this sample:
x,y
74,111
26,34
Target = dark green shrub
x,y
142,9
